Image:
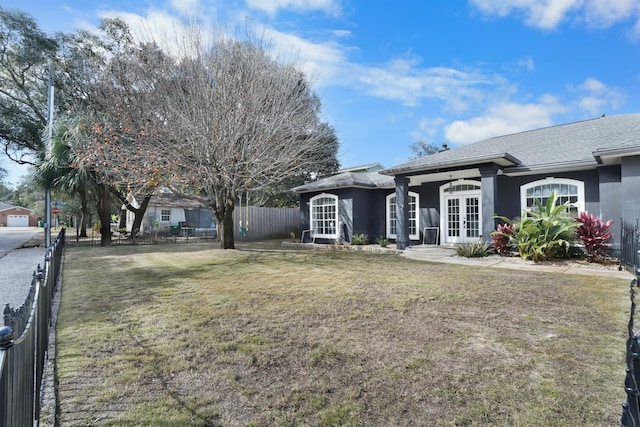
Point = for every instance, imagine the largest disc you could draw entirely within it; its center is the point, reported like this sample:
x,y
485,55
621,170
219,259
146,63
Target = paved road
x,y
17,265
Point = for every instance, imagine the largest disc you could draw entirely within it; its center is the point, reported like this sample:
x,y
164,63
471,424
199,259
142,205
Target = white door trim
x,y
463,191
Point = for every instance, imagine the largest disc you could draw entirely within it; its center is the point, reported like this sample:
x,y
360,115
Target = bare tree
x,y
242,121
423,149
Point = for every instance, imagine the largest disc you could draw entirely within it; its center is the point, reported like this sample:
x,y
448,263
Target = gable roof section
x,y
578,145
7,206
369,180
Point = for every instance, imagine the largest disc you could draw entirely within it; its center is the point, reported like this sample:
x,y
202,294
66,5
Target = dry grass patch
x,y
191,335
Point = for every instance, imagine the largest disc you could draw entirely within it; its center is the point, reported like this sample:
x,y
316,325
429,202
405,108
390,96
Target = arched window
x,y
392,218
324,216
567,191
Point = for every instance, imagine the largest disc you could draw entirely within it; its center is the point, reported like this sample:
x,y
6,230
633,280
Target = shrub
x,y
360,239
384,242
546,232
501,239
594,234
477,249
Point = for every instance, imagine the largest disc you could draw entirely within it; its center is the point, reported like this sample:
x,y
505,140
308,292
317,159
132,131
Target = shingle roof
x,y
578,145
569,145
173,200
347,180
6,206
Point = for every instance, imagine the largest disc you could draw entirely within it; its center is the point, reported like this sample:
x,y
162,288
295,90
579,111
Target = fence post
x,y
6,342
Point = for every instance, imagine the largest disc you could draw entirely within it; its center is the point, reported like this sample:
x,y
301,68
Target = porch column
x,y
402,212
489,186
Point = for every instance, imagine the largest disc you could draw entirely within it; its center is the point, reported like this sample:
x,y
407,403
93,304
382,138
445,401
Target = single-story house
x,y
173,212
16,216
451,196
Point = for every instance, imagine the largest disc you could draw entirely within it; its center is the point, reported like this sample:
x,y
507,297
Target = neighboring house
x,y
451,196
16,216
171,211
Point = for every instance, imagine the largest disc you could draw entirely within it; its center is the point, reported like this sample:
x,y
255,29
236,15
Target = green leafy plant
x,y
382,241
594,234
501,239
545,232
477,249
360,239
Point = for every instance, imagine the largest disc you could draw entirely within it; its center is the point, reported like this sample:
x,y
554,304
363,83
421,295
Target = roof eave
x,y
302,189
503,160
607,155
550,168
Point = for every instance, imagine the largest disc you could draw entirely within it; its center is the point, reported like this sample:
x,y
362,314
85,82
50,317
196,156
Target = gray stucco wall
x,y
630,191
610,200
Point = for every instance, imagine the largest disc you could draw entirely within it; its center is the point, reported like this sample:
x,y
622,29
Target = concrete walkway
x,y
447,255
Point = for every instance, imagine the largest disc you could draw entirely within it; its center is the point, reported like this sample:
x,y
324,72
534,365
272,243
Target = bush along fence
x,y
24,341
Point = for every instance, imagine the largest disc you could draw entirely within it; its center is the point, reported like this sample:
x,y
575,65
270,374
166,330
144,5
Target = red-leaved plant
x,y
594,234
501,239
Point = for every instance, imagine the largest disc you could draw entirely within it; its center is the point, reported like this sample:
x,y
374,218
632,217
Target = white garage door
x,y
18,221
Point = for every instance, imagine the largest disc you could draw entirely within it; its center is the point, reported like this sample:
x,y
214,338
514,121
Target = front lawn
x,y
192,335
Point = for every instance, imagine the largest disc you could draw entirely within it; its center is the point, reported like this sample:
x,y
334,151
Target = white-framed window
x,y
324,216
392,216
165,215
567,191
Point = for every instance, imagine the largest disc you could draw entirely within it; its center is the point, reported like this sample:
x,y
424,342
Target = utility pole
x,y
47,201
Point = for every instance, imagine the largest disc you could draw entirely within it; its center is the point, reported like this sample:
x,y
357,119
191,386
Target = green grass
x,y
193,335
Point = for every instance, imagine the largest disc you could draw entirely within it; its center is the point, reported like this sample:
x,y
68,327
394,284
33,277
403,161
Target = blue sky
x,y
390,73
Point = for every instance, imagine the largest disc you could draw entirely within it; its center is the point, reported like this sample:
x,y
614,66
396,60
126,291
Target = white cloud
x,y
548,14
604,13
504,119
323,62
595,98
401,79
405,81
169,31
186,7
331,7
544,14
428,129
527,63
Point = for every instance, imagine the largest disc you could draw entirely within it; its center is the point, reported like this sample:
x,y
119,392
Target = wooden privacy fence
x,y
24,341
254,223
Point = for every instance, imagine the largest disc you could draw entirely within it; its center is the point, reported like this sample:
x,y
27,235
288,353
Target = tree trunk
x,y
227,241
122,219
84,209
104,213
139,214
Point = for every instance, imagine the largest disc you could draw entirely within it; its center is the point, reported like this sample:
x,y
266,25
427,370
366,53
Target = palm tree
x,y
58,171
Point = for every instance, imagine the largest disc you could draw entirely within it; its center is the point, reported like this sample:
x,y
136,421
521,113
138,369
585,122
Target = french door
x,y
462,222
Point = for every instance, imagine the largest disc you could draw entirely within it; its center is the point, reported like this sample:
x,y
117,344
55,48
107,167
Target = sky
x,y
390,73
